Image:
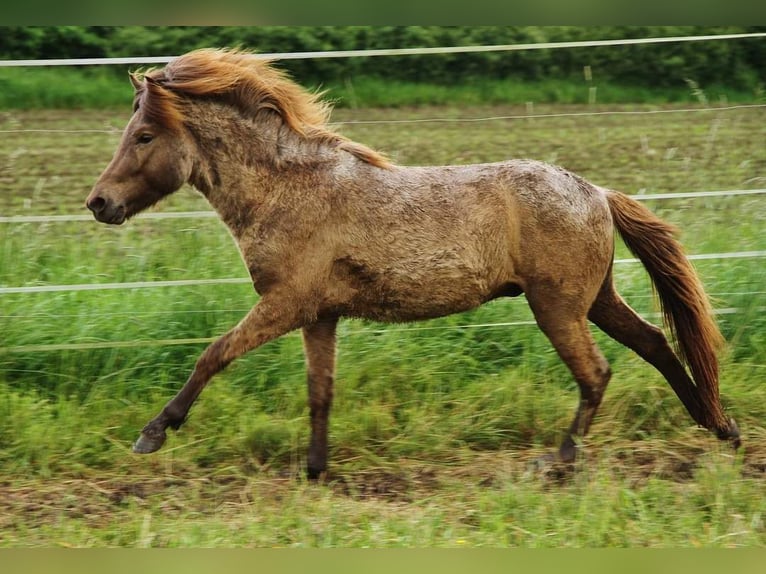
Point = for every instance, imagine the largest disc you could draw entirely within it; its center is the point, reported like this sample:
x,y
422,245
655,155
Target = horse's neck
x,y
242,163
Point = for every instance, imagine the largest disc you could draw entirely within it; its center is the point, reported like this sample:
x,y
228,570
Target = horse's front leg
x,y
319,346
269,319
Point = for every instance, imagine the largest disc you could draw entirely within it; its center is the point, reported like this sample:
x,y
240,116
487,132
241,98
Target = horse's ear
x,y
137,84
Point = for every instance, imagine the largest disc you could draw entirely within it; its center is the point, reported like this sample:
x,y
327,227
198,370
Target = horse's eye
x,y
145,138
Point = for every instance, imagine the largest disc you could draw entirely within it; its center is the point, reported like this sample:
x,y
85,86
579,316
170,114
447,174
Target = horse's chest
x,y
265,265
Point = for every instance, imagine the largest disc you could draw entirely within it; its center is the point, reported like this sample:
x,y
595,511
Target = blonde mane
x,y
250,84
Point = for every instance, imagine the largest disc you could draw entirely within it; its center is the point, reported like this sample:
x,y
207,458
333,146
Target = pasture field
x,y
435,426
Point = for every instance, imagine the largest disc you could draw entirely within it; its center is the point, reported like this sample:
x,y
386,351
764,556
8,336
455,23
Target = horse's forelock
x,y
158,103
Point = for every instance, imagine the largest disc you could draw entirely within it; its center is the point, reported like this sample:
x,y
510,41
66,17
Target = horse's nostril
x,y
97,204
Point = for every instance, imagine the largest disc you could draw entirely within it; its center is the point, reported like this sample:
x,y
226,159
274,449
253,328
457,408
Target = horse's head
x,y
153,159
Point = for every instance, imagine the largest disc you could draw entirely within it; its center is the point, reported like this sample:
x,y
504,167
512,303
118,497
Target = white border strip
x,y
392,51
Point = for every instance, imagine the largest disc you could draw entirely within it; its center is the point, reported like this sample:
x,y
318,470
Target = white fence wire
x,y
393,51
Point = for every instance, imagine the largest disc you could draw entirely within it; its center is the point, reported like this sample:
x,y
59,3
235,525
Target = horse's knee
x,y
320,400
603,371
604,375
593,388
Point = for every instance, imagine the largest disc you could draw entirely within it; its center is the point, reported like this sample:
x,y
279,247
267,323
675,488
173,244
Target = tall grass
x,y
52,88
374,92
107,87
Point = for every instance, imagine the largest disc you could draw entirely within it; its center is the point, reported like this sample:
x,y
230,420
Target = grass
x,y
107,87
25,88
375,92
441,508
435,426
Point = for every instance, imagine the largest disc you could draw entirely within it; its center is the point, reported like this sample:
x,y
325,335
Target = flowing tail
x,y
684,304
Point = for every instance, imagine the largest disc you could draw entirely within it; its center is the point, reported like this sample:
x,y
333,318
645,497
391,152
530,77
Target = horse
x,y
329,228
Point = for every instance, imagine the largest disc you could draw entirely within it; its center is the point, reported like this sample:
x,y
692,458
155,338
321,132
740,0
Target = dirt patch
x,y
400,485
404,481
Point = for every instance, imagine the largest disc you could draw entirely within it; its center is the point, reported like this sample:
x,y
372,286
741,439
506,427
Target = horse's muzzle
x,y
105,210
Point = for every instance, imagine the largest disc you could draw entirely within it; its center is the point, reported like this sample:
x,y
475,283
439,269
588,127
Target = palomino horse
x,y
329,228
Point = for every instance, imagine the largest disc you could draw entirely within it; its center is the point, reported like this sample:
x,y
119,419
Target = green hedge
x,y
734,63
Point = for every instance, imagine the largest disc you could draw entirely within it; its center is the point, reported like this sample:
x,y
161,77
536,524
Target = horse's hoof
x,y
551,467
543,463
146,444
316,474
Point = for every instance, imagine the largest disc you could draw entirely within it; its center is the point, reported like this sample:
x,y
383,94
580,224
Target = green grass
x,y
374,92
435,426
108,87
42,88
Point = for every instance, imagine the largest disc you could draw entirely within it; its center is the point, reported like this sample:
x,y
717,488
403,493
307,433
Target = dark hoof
x,y
316,474
544,462
551,466
146,444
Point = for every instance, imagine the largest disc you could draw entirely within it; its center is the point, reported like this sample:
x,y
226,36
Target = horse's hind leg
x,y
319,347
625,326
567,329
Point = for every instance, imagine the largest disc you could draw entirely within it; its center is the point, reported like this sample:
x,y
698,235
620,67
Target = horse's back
x,y
538,223
532,204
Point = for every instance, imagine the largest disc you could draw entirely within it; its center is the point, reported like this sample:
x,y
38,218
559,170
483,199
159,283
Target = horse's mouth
x,y
106,210
111,217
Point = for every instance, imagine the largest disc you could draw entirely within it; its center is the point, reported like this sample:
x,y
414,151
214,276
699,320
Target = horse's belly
x,y
417,298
